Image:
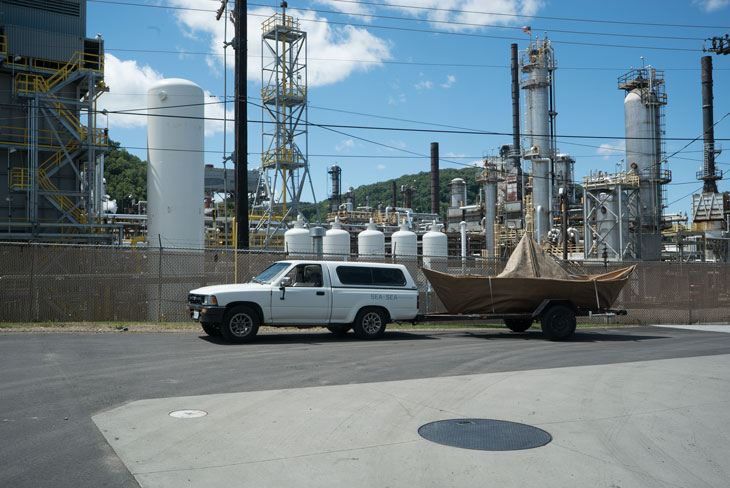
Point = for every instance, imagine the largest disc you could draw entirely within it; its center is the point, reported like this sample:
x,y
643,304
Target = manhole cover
x,y
188,414
484,434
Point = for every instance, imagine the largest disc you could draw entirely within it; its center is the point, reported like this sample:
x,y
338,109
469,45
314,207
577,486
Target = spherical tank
x,y
297,239
336,241
371,242
435,243
404,242
175,173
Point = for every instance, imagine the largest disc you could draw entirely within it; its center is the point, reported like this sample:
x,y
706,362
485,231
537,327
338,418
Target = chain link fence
x,y
63,283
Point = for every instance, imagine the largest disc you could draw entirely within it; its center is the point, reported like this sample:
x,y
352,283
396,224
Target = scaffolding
x,y
284,127
54,147
612,226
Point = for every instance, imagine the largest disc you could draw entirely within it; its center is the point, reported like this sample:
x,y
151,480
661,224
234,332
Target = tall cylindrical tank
x,y
404,242
175,172
336,241
611,226
371,242
435,246
563,167
458,192
297,239
490,211
541,197
642,151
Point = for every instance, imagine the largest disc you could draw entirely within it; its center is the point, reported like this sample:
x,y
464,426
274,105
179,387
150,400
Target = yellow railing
x,y
4,45
280,20
286,156
290,90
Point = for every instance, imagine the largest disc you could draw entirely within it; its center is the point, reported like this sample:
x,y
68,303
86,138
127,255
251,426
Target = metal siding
x,y
42,44
45,20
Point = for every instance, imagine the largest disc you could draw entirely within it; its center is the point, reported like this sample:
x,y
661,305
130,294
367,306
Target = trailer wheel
x,y
339,330
240,324
518,325
213,330
370,323
558,323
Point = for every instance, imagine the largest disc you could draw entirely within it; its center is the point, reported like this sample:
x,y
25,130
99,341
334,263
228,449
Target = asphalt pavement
x,y
92,409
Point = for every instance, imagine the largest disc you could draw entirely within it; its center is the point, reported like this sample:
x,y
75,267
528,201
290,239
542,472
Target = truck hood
x,y
218,289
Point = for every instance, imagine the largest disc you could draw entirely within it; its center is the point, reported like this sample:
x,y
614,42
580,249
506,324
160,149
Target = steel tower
x,y
285,133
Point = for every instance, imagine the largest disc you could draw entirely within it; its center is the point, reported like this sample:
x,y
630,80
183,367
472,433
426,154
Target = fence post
x,y
159,283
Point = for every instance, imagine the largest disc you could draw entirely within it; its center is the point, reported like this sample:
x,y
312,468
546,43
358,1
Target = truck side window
x,y
388,276
306,275
354,275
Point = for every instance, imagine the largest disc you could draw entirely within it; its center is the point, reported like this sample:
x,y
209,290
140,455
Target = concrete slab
x,y
643,424
705,328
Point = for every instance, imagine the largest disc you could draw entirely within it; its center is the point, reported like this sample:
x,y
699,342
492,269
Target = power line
x,y
569,19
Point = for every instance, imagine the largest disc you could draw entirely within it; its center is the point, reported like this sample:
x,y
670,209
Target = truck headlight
x,y
210,300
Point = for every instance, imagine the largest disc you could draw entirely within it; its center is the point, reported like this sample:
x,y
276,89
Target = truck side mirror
x,y
285,281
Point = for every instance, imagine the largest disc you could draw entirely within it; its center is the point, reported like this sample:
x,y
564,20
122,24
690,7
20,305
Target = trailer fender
x,y
549,302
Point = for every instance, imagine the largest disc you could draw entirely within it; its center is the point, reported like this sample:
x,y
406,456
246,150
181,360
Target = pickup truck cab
x,y
337,295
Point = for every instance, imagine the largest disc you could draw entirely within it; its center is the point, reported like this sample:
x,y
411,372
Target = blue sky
x,y
424,68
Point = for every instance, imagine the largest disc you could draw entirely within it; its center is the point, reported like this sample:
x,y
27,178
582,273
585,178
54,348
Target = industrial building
x,y
51,76
53,189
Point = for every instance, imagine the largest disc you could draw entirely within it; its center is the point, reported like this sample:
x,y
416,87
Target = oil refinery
x,y
52,189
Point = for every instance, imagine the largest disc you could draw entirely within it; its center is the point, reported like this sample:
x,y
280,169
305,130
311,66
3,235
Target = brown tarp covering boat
x,y
529,277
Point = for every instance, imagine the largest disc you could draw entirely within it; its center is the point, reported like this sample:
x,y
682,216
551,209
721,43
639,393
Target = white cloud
x,y
346,144
395,100
341,50
381,166
349,8
128,83
450,80
711,5
611,149
423,85
468,12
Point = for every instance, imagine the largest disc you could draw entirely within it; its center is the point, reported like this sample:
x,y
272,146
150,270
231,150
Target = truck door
x,y
307,301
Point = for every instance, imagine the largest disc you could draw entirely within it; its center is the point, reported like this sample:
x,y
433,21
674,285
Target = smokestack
x,y
395,194
435,178
515,106
708,129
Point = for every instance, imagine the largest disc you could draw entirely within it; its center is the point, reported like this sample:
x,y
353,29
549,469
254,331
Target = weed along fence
x,y
64,283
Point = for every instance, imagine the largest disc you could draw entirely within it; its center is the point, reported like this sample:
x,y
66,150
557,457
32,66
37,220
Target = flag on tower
x,y
527,30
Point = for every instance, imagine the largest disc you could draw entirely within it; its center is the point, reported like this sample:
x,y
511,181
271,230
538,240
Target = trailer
x,y
557,317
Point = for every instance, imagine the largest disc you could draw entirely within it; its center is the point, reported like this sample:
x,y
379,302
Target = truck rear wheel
x,y
240,324
370,323
558,323
518,325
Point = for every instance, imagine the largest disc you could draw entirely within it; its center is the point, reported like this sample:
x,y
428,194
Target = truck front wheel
x,y
240,324
558,323
370,323
211,329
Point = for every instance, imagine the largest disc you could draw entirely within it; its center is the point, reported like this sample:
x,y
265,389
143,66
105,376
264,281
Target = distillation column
x,y
538,65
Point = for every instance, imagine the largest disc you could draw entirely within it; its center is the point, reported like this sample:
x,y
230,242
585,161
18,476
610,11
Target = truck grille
x,y
195,299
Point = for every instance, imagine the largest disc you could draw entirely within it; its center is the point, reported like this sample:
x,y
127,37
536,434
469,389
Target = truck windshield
x,y
270,273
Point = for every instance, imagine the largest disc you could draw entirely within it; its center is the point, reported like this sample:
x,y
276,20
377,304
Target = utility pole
x,y
240,156
720,45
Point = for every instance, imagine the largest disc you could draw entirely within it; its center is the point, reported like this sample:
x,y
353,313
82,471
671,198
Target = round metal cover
x,y
484,434
188,414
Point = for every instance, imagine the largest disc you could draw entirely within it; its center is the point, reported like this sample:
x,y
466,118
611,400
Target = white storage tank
x,y
404,242
297,239
435,246
458,192
336,241
175,173
371,242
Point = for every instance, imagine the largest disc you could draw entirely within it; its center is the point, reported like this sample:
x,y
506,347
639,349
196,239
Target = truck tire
x,y
213,330
339,330
240,324
558,323
370,323
518,325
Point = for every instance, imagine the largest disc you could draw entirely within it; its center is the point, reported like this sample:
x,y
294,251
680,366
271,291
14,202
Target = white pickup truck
x,y
337,295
